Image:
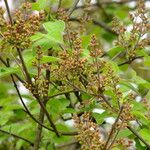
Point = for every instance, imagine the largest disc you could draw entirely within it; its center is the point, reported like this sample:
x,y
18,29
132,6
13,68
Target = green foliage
x,y
62,79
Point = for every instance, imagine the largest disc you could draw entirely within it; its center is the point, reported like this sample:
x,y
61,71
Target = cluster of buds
x,y
37,62
18,34
72,62
141,25
62,15
146,104
84,20
89,134
126,115
73,35
77,45
118,27
95,50
71,65
97,83
121,125
124,142
42,87
2,20
134,41
39,87
113,82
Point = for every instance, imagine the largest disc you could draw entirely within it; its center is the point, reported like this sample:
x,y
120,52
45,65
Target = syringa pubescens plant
x,y
61,59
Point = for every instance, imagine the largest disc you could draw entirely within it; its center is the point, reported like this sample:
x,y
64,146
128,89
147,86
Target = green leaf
x,y
145,133
69,110
100,117
54,35
5,116
55,31
41,5
139,145
85,41
113,65
40,40
125,86
124,133
115,51
138,106
36,36
47,59
44,43
141,117
58,105
7,71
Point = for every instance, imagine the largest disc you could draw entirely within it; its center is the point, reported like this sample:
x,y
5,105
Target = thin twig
x,y
139,137
113,128
61,93
47,114
104,26
41,115
98,23
24,66
5,63
17,136
8,12
113,140
39,131
59,4
130,61
71,10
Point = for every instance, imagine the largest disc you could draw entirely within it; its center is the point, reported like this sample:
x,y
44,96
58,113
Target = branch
x,y
36,95
113,128
17,136
130,61
61,93
113,140
5,63
59,4
138,136
71,10
46,113
41,115
104,26
39,131
18,50
8,11
98,23
24,66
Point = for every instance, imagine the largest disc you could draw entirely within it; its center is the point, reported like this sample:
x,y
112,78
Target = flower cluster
x,y
72,62
126,115
62,15
2,20
89,134
95,49
136,39
40,84
125,143
18,34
